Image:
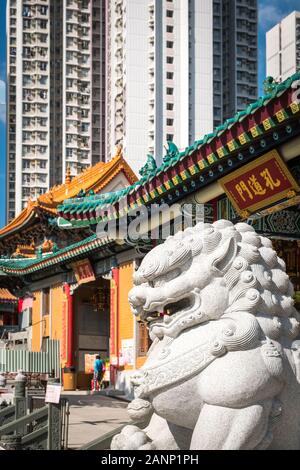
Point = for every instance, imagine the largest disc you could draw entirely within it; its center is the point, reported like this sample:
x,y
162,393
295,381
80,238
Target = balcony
x,y
84,6
41,96
85,104
72,31
72,18
73,100
84,145
41,111
83,131
72,72
72,144
42,81
72,4
28,12
72,60
41,54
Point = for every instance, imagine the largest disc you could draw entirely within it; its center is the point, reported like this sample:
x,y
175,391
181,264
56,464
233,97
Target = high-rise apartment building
x,y
55,93
176,69
87,75
283,48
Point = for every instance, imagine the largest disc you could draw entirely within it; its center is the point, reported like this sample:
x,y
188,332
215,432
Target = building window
x,y
169,13
46,301
170,60
170,137
26,164
170,28
170,44
45,340
170,122
170,106
170,91
42,164
170,75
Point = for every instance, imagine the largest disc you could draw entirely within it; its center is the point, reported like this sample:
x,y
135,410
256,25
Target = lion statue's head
x,y
210,270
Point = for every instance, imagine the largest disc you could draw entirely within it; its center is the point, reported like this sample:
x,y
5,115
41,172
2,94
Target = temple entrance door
x,y
91,326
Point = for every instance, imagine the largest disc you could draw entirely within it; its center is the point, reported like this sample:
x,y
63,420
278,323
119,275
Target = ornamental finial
x,y
68,175
119,151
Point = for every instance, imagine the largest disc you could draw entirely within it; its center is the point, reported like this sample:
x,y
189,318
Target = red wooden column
x,y
70,329
114,314
114,339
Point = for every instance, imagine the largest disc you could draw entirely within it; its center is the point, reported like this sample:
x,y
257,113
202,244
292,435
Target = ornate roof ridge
x,y
6,296
20,266
182,166
93,178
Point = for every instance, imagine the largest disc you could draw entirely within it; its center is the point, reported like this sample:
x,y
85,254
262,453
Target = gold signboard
x,y
259,184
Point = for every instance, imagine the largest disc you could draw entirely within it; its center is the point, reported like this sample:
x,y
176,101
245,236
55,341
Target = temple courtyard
x,y
92,416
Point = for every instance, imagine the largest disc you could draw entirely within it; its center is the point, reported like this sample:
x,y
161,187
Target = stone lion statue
x,y
223,369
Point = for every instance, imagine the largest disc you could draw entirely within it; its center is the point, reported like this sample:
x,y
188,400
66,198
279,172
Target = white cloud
x,y
2,113
270,15
272,12
2,101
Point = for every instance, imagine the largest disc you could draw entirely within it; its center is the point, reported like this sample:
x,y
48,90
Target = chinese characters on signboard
x,y
259,184
83,271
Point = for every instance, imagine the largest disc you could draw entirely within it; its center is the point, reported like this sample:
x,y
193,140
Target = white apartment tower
x,y
86,75
283,48
175,70
55,93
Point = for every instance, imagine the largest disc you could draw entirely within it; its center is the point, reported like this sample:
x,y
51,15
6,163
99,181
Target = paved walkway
x,y
91,416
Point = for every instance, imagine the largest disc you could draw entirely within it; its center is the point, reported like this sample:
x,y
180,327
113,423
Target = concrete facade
x,y
55,94
283,48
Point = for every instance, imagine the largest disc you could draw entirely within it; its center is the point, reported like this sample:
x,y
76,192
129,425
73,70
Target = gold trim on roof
x,y
93,178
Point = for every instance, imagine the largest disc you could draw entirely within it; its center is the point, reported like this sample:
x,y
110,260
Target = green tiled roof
x,y
21,266
74,209
80,212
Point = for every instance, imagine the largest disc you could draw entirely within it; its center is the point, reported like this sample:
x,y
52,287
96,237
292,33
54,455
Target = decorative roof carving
x,y
149,167
199,163
6,296
93,179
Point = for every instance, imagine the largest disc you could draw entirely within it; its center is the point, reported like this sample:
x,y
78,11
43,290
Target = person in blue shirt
x,y
98,372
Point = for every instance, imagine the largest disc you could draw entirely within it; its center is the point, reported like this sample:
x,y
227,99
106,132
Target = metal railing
x,y
26,428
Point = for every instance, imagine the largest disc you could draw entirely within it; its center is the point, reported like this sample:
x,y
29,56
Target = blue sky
x,y
270,12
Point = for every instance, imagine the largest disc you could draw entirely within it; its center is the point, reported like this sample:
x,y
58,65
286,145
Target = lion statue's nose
x,y
137,278
136,297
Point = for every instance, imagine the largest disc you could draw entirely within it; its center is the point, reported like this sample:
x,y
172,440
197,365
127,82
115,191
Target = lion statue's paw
x,y
131,438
